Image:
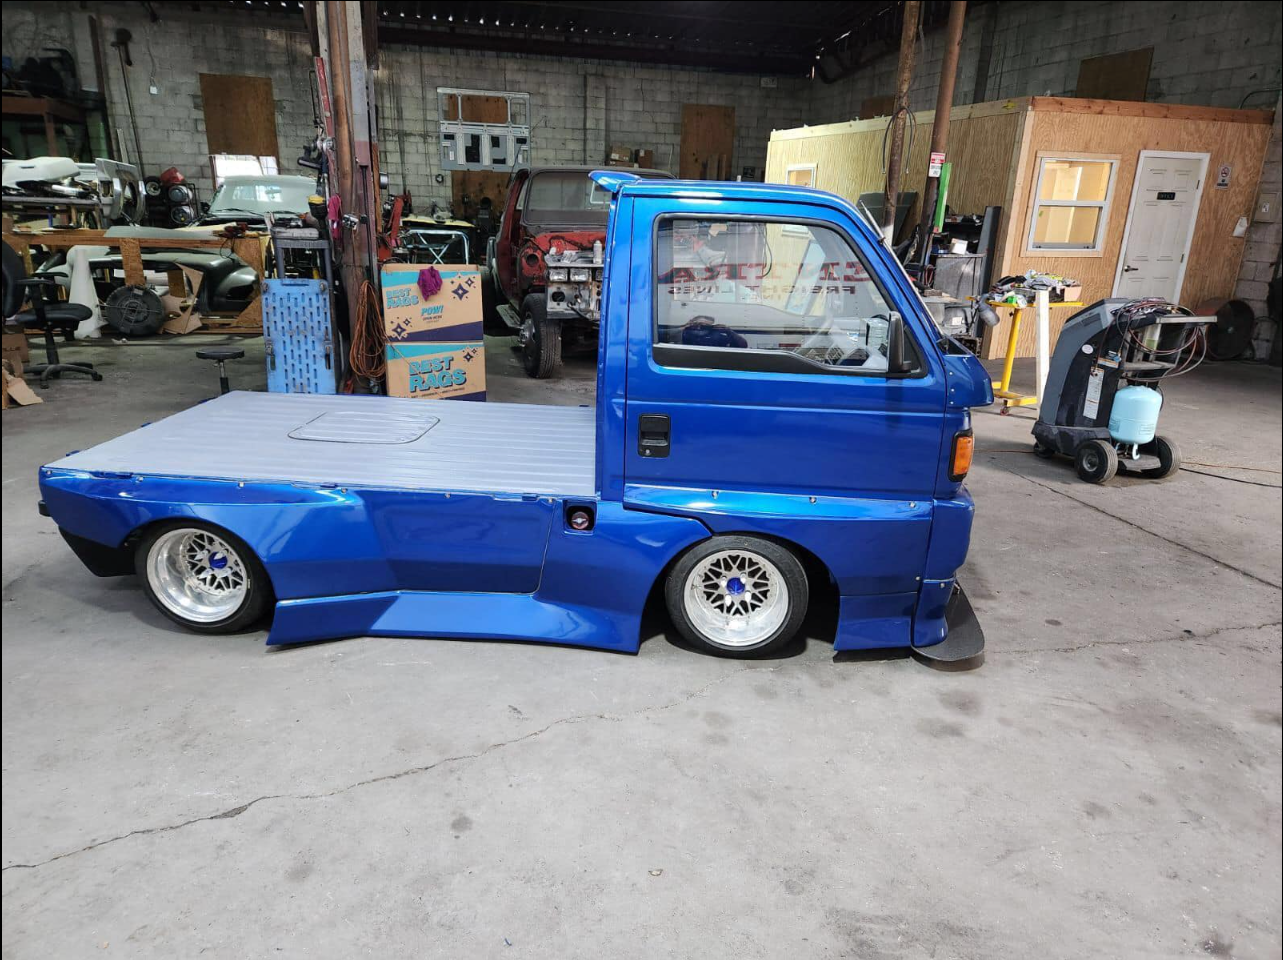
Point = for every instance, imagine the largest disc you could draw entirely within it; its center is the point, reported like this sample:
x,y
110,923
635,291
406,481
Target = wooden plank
x,y
42,107
708,132
924,118
469,187
131,259
1115,76
251,249
62,239
1152,111
240,114
477,108
877,106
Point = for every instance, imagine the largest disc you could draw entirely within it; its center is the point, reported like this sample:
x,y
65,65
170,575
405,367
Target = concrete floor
x,y
1107,784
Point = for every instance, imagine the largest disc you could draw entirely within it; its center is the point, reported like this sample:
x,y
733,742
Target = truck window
x,y
793,287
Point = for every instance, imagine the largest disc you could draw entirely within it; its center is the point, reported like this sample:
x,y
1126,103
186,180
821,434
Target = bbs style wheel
x,y
737,596
201,577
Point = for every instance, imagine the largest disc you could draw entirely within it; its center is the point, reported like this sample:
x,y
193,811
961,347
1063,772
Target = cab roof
x,y
625,182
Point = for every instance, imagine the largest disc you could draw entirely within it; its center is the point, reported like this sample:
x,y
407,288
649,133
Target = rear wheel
x,y
540,339
1096,461
1043,453
1169,458
202,577
737,596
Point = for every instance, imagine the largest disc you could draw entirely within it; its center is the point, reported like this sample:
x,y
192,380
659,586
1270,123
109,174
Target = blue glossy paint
x,y
850,469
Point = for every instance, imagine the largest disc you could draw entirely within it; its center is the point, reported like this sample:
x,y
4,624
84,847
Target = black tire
x,y
491,323
1169,458
541,351
1096,461
1043,453
791,579
258,594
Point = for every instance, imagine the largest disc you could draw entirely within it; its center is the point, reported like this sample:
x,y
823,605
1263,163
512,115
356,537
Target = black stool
x,y
221,355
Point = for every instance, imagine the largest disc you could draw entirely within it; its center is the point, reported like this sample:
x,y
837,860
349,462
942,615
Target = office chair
x,y
46,315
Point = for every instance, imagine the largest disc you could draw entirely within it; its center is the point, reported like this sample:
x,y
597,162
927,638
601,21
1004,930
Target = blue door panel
x,y
850,437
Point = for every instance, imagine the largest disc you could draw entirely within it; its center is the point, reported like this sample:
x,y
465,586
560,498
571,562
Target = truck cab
x,y
776,419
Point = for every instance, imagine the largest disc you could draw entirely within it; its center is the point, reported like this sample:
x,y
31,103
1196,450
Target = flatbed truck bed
x,y
367,442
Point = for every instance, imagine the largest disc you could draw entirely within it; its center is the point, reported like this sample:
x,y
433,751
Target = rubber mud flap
x,y
964,640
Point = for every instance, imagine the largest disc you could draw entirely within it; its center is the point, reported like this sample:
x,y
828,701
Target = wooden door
x,y
708,142
240,114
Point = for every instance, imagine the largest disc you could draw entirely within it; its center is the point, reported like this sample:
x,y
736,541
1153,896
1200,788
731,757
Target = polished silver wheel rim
x,y
736,598
197,575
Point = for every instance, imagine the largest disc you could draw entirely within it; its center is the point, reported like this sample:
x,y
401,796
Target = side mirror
x,y
897,363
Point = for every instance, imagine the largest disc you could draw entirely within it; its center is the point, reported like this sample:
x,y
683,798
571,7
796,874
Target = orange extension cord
x,y
369,343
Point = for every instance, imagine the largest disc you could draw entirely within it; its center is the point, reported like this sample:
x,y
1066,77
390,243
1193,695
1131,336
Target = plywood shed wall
x,y
1122,129
994,149
848,157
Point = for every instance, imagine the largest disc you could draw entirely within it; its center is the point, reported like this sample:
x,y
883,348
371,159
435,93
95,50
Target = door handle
x,y
1130,269
653,435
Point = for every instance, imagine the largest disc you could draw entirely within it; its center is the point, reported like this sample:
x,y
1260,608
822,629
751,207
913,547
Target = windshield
x,y
571,192
276,195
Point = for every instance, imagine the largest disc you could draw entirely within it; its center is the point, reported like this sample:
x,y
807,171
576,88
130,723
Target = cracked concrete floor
x,y
1107,784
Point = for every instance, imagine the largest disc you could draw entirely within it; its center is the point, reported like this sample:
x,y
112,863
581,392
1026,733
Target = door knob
x,y
1130,269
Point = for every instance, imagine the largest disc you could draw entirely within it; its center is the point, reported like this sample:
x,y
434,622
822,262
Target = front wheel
x,y
540,339
202,577
1096,461
737,596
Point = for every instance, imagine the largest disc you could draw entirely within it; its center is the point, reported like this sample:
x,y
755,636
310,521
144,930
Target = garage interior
x,y
1104,779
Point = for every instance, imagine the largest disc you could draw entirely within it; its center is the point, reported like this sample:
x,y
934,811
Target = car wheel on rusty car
x,y
202,577
737,596
540,339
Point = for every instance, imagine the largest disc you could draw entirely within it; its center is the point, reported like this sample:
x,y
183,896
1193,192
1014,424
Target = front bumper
x,y
964,639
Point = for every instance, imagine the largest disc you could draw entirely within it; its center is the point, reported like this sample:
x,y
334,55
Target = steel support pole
x,y
940,126
899,116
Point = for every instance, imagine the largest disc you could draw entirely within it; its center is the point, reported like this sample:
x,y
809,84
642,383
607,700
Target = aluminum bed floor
x,y
372,442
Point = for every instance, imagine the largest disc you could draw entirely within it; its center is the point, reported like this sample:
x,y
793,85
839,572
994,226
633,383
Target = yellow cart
x,y
1002,388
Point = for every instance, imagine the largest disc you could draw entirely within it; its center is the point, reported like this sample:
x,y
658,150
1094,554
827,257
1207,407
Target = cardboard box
x,y
436,371
646,159
16,348
451,315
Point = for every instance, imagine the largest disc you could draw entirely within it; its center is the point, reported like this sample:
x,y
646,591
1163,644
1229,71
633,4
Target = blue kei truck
x,y
777,419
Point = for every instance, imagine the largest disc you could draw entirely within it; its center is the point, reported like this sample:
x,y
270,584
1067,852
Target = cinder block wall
x,y
578,108
1204,53
1211,54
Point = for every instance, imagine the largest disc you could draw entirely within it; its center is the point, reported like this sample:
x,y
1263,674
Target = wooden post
x,y
940,127
899,116
340,78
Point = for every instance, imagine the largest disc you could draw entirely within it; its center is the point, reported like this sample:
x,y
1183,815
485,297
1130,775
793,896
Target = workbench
x,y
250,247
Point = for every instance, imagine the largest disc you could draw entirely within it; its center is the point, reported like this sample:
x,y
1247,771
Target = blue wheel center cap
x,y
217,561
734,586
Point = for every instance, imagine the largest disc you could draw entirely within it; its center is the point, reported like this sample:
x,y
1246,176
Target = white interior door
x,y
1160,225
